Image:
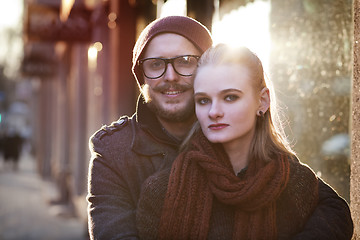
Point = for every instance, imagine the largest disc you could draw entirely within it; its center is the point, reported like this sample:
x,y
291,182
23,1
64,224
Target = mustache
x,y
173,86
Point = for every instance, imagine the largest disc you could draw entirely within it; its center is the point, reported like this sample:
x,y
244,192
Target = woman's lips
x,y
218,126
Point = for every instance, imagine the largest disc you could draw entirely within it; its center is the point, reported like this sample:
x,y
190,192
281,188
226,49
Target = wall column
x,y
355,131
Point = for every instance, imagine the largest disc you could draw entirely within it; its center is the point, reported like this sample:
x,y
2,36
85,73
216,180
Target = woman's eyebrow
x,y
224,91
200,93
231,90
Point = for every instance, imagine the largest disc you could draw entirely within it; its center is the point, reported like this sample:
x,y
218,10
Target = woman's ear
x,y
264,100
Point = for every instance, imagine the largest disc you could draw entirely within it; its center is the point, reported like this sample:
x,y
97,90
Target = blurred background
x,y
65,70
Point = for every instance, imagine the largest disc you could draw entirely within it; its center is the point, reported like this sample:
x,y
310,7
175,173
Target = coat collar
x,y
149,135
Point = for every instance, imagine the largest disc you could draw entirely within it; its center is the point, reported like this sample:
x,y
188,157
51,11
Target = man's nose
x,y
170,73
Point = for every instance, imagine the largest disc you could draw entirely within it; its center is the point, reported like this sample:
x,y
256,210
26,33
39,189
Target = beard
x,y
180,115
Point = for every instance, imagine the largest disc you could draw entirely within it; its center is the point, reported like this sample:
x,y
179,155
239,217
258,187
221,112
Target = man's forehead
x,y
170,44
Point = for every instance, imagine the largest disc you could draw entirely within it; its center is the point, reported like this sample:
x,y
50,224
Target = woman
x,y
237,177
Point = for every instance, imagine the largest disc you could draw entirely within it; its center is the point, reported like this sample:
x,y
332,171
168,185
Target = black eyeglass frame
x,y
167,61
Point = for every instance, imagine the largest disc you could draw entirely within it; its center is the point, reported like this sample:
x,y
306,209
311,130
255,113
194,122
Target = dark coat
x,y
294,208
126,153
123,155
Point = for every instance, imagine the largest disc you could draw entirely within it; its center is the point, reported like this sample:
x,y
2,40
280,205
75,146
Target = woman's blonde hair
x,y
269,138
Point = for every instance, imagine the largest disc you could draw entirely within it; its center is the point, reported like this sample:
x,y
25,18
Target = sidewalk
x,y
24,211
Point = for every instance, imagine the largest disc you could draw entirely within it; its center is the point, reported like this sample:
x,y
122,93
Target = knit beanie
x,y
187,27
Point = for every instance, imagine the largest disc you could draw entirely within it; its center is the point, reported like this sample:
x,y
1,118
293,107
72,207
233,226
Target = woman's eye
x,y
202,101
231,98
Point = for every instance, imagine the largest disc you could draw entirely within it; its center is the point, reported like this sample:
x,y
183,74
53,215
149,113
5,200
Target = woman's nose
x,y
215,111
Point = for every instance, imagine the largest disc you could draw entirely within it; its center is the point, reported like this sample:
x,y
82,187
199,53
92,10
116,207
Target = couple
x,y
235,176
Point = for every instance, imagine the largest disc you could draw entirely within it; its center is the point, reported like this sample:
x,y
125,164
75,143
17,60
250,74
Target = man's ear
x,y
264,100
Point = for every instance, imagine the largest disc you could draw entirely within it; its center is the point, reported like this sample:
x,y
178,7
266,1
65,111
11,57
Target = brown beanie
x,y
187,27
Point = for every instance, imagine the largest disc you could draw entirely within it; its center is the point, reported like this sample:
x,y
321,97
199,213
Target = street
x,y
24,209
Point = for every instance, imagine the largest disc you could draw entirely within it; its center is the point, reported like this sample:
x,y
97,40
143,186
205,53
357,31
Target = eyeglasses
x,y
156,67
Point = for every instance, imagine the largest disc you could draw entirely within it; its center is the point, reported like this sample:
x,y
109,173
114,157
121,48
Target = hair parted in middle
x,y
269,139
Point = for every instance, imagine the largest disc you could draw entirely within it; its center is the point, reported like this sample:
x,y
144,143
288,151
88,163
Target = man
x,y
130,150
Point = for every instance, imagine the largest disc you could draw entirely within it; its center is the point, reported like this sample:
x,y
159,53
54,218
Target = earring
x,y
260,113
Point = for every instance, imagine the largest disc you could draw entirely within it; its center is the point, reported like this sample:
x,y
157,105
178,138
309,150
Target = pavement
x,y
25,212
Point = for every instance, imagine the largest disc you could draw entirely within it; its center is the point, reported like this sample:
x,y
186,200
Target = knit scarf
x,y
205,172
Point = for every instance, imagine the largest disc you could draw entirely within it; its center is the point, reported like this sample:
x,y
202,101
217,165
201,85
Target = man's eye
x,y
183,60
186,61
231,98
156,63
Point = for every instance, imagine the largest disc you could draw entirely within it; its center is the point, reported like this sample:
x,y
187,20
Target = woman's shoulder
x,y
156,184
298,200
149,209
302,188
300,170
302,179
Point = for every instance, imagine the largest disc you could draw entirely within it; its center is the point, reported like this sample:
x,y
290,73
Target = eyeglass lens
x,y
156,67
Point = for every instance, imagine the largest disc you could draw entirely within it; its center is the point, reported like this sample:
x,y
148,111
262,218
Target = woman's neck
x,y
238,155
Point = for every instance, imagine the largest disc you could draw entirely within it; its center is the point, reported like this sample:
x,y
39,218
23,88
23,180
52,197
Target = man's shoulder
x,y
119,128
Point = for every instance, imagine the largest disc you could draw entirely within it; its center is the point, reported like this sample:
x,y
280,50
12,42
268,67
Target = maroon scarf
x,y
205,172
